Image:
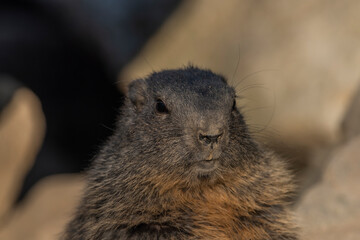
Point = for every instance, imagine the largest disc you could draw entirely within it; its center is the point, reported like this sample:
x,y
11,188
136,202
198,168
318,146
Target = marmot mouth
x,y
207,165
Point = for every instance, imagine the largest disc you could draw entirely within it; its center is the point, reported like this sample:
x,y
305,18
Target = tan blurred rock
x,y
351,123
46,210
22,128
311,47
331,209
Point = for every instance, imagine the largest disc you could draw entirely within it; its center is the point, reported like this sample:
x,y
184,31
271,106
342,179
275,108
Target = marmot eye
x,y
161,107
234,105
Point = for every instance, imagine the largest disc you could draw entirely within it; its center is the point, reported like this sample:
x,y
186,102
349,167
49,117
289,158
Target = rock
x,y
351,122
331,208
46,210
22,127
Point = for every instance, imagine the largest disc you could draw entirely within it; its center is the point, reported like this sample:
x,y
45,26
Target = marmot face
x,y
188,119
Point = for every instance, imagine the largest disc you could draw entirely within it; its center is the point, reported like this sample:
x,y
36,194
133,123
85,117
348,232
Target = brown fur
x,y
147,183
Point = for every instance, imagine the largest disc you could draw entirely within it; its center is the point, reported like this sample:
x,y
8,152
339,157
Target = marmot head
x,y
185,122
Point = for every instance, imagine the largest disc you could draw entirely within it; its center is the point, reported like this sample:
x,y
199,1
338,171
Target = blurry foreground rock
x,y
351,123
331,209
45,212
21,133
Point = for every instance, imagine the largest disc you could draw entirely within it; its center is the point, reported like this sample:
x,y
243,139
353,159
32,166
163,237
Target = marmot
x,y
182,165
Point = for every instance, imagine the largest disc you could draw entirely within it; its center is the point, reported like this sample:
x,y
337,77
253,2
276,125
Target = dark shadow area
x,y
69,53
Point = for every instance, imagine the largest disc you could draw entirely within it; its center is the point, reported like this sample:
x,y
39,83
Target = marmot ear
x,y
136,93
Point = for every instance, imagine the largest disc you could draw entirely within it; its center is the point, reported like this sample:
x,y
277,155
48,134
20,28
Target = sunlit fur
x,y
146,183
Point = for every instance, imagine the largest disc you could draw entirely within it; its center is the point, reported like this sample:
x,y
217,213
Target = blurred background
x,y
65,66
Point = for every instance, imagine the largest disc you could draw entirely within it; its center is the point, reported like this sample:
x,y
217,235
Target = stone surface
x,y
46,210
21,133
331,209
351,122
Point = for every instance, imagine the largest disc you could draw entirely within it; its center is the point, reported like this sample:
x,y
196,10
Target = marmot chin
x,y
183,165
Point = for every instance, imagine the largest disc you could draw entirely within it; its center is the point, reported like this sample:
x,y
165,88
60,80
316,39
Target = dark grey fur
x,y
149,177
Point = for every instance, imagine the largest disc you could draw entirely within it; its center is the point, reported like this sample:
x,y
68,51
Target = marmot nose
x,y
209,139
